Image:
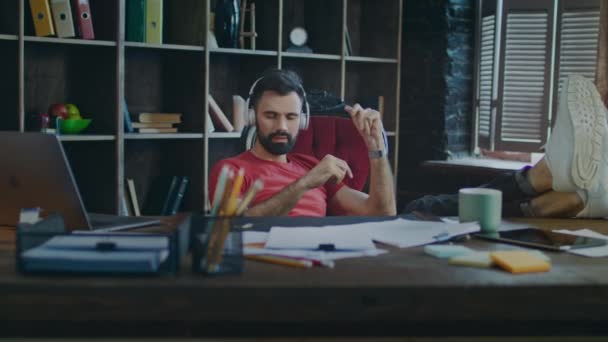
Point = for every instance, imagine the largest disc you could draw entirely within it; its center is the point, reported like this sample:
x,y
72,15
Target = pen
x,y
281,261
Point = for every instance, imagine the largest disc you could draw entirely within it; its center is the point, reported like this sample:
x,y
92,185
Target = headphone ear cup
x,y
250,116
304,121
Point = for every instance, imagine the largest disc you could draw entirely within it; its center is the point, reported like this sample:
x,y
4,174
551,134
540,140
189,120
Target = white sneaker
x,y
596,199
578,140
596,203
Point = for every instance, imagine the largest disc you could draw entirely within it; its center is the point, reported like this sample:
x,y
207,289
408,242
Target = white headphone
x,y
250,112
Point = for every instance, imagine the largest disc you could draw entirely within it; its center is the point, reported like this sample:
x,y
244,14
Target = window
x,y
525,49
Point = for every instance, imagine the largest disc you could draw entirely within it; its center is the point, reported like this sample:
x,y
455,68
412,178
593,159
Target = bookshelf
x,y
175,77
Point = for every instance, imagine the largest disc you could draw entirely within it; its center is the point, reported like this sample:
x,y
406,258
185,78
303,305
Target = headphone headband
x,y
250,112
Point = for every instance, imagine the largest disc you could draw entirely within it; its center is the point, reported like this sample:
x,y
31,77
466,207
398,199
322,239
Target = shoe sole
x,y
589,122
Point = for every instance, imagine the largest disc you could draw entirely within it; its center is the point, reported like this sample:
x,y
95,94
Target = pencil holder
x,y
217,245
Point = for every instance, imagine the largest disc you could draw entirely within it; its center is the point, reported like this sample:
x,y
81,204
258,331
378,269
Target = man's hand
x,y
369,124
329,169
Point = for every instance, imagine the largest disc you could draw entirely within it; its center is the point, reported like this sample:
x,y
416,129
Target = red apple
x,y
58,109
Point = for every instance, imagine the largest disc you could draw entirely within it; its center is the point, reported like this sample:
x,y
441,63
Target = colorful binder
x,y
62,17
83,19
154,21
41,15
136,20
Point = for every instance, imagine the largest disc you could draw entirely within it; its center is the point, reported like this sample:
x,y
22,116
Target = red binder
x,y
82,17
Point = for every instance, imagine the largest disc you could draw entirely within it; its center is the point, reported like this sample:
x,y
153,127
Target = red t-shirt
x,y
276,176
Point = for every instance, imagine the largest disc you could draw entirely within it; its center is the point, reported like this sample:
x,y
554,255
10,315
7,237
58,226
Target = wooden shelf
x,y
8,37
164,46
68,41
147,136
87,137
176,76
243,52
224,135
311,56
371,59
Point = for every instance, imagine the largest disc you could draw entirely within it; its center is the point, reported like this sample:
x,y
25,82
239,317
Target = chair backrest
x,y
339,137
333,135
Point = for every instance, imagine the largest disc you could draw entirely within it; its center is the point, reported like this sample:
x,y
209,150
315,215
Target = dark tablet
x,y
533,237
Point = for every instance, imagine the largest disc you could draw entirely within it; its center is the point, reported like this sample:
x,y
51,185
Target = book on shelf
x,y
175,181
126,203
152,125
158,117
136,20
175,195
217,115
166,195
154,21
62,17
239,112
210,125
133,196
157,130
83,18
178,197
127,117
41,16
349,46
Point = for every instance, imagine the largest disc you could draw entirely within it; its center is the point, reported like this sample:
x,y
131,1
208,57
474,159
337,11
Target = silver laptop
x,y
34,172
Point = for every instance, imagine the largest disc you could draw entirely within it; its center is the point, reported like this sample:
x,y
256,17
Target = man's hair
x,y
282,82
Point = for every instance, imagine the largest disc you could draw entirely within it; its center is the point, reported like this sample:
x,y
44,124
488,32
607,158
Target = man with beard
x,y
297,184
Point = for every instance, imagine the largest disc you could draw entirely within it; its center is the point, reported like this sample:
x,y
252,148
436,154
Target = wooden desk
x,y
402,293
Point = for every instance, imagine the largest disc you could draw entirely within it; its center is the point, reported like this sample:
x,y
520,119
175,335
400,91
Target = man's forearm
x,y
281,203
381,188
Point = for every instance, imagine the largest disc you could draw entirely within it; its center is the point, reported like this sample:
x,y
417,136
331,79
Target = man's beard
x,y
277,148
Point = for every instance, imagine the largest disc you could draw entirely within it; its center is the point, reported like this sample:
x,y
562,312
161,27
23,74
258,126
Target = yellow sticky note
x,y
520,262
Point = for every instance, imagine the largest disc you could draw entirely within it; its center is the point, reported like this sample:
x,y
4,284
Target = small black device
x,y
538,238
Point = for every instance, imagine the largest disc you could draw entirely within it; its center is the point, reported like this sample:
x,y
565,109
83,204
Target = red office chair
x,y
339,137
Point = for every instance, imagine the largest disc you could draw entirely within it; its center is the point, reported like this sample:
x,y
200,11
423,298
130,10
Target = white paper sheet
x,y
399,233
591,252
407,233
341,237
311,254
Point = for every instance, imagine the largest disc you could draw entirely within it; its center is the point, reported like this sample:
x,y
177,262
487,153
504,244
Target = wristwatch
x,y
377,154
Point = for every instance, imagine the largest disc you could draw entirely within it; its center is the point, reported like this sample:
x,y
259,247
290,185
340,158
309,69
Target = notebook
x,y
35,173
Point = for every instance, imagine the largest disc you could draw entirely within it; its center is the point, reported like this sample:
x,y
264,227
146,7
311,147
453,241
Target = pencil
x,y
234,194
249,195
281,261
219,190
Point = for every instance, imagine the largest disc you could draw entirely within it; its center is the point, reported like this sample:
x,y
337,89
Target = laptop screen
x,y
34,172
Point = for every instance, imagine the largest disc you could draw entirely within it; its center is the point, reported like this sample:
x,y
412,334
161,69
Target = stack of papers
x,y
81,253
347,241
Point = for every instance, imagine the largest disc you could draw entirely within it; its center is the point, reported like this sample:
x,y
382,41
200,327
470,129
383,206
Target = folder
x,y
154,21
62,16
83,19
136,20
41,15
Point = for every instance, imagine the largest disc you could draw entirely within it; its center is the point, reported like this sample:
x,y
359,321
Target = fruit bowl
x,y
73,126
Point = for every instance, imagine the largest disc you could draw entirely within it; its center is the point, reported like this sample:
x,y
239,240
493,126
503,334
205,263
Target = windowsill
x,y
487,164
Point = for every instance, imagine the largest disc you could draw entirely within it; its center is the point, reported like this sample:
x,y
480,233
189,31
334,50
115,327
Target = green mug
x,y
482,205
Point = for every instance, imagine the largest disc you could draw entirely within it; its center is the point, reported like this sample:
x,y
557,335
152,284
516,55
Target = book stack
x,y
156,122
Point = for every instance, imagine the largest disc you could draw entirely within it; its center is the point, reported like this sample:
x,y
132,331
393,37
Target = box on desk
x,y
46,247
217,245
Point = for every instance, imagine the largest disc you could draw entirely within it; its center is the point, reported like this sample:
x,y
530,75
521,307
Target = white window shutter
x,y
486,74
578,42
524,88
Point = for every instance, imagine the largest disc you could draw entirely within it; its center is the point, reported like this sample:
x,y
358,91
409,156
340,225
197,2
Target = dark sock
x,y
521,178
